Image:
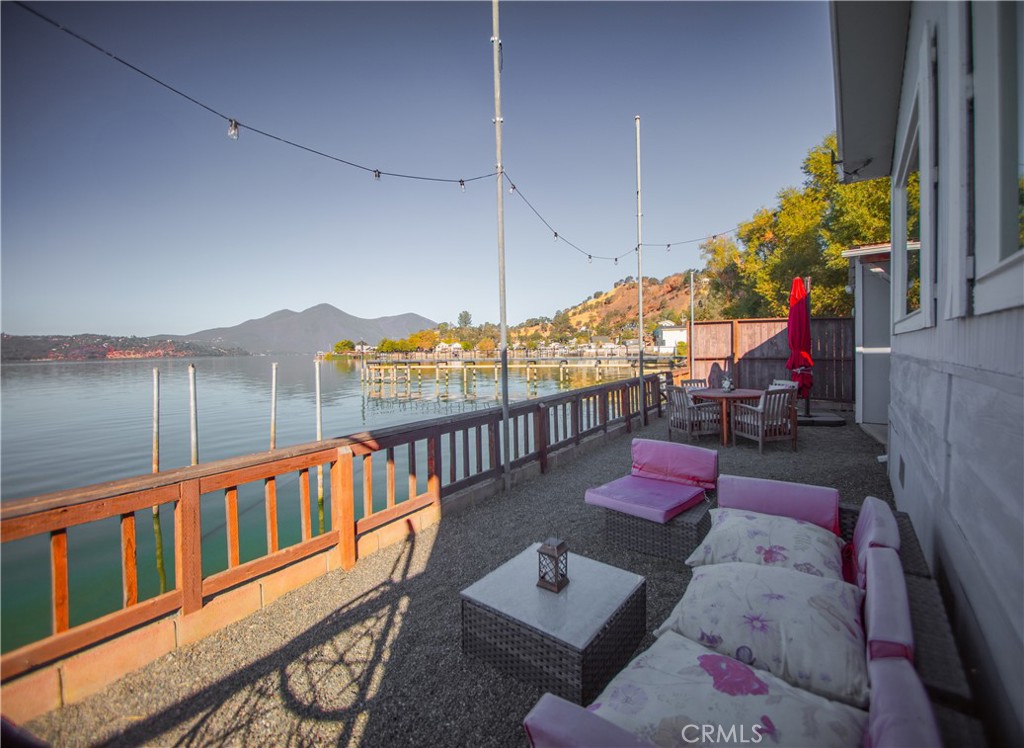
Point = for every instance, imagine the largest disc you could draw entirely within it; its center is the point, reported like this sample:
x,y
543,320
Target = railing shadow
x,y
326,677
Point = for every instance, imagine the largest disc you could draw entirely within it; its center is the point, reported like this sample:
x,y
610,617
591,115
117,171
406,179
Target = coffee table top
x,y
575,615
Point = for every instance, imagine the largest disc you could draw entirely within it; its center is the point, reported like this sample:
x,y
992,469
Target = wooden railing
x,y
457,453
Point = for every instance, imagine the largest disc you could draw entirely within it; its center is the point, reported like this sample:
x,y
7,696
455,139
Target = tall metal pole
x,y
193,411
273,405
689,342
640,271
496,49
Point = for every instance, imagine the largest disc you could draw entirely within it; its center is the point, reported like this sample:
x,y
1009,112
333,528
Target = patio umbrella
x,y
799,336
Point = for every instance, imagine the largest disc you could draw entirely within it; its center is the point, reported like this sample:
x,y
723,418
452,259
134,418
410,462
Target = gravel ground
x,y
372,656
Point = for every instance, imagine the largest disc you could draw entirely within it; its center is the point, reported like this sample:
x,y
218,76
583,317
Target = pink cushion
x,y
816,504
656,500
886,607
678,463
554,722
876,528
900,714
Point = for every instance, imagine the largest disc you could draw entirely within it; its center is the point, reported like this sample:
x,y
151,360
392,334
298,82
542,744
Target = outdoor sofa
x,y
779,639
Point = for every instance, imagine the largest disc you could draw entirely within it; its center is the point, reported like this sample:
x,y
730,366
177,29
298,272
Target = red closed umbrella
x,y
799,336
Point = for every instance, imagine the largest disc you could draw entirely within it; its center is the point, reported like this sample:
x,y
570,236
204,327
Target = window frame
x,y
919,138
998,148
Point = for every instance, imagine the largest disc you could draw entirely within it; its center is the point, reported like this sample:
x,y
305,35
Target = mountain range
x,y
315,329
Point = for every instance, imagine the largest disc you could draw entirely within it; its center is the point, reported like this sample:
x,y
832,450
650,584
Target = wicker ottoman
x,y
675,539
570,643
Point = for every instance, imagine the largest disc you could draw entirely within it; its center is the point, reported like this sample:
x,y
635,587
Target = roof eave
x,y
869,42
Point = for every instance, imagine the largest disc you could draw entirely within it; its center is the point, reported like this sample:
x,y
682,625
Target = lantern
x,y
553,564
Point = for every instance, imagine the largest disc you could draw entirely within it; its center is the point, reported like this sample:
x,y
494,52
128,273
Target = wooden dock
x,y
610,367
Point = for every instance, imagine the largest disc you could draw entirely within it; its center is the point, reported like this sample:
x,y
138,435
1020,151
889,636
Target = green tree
x,y
465,319
344,346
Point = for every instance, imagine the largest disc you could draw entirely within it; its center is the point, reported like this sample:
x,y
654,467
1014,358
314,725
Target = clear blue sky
x,y
127,210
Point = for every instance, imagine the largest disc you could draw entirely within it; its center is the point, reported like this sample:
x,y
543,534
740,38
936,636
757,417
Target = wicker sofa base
x,y
550,664
676,539
911,554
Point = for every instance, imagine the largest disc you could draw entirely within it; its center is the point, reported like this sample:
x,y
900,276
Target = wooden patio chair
x,y
772,419
693,419
692,384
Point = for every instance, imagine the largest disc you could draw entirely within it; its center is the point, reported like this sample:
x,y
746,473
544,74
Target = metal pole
x,y
273,405
320,468
193,412
496,49
158,535
640,271
156,420
689,342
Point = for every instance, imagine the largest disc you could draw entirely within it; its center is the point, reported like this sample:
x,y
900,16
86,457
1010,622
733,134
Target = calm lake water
x,y
71,424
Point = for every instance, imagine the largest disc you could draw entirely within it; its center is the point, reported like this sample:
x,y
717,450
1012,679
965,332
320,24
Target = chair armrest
x,y
556,723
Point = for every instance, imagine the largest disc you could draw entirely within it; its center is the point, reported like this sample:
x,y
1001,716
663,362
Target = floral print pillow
x,y
804,629
769,540
678,691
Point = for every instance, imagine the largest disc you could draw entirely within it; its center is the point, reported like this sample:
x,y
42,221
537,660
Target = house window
x,y
913,202
998,61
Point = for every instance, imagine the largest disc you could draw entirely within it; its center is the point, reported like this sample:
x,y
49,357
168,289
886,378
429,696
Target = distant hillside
x,y
614,312
315,329
89,347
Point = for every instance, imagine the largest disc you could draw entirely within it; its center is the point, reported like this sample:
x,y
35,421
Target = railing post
x,y
434,465
188,552
540,435
577,418
602,409
626,414
59,574
343,510
657,394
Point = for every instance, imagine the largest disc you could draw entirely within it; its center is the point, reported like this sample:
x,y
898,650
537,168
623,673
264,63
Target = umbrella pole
x,y
807,400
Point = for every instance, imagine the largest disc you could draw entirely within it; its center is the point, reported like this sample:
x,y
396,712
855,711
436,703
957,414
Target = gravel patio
x,y
372,657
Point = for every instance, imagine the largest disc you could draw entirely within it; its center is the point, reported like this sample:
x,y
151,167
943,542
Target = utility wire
x,y
377,173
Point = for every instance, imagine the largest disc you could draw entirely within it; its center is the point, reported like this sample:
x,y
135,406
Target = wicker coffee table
x,y
570,643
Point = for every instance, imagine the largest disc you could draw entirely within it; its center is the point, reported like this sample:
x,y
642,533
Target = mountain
x,y
315,329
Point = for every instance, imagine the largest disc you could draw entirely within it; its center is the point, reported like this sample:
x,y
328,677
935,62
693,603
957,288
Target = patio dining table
x,y
725,397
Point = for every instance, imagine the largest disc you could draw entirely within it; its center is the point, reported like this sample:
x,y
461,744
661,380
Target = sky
x,y
125,208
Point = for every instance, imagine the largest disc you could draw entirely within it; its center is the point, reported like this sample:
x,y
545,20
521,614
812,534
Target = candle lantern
x,y
553,564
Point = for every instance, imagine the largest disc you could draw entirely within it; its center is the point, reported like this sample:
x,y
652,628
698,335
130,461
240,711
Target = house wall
x,y
956,413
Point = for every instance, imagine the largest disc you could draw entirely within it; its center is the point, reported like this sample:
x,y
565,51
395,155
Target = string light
x,y
234,127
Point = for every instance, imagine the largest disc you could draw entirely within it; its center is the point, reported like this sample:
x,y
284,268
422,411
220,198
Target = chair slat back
x,y
777,404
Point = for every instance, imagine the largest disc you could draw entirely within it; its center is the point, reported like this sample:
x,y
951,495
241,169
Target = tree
x,y
465,319
486,345
344,346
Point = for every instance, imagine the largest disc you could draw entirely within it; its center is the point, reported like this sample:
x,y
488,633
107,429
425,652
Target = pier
x,y
469,370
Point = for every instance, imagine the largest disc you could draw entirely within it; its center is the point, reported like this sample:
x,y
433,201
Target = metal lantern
x,y
553,564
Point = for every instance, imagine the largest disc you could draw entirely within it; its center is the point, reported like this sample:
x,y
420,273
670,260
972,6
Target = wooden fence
x,y
418,464
755,351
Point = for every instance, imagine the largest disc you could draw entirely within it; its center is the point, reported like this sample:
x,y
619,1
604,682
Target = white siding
x,y
956,454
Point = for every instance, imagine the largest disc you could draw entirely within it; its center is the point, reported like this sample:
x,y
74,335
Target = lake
x,y
71,424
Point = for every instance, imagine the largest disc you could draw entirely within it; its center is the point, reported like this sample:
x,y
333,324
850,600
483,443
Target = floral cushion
x,y
802,628
741,535
678,692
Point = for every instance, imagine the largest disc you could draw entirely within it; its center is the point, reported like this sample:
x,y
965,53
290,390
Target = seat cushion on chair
x,y
656,500
677,463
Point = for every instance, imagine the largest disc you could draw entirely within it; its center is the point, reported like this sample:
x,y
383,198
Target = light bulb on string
x,y
233,129
462,185
376,175
590,259
616,260
511,188
668,247
556,236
